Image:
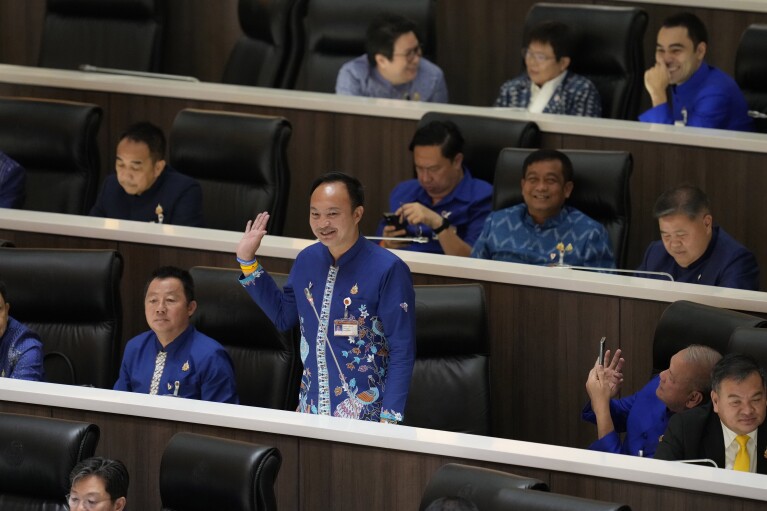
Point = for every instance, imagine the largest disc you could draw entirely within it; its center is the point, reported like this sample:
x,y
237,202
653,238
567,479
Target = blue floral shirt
x,y
357,320
576,95
21,353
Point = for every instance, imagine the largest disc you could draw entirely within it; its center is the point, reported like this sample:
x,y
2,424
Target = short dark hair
x,y
149,134
445,134
555,33
683,199
735,366
452,504
173,272
112,472
695,27
353,186
3,291
383,32
549,155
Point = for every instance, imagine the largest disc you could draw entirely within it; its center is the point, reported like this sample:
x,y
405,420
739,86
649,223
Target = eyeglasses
x,y
89,504
538,56
411,54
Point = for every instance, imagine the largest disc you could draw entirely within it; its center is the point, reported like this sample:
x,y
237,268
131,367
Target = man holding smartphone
x,y
445,204
643,416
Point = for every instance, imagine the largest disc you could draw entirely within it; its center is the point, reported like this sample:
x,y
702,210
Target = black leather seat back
x,y
527,500
750,341
261,55
266,362
485,137
601,189
123,34
240,161
684,323
452,360
37,455
71,298
55,141
200,473
331,32
608,50
476,484
751,71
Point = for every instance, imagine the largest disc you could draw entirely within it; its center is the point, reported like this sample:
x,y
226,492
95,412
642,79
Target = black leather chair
x,y
751,72
452,360
684,323
240,160
601,189
55,141
266,362
750,341
526,500
71,298
37,455
476,484
123,34
261,55
485,137
328,33
6,244
200,473
608,50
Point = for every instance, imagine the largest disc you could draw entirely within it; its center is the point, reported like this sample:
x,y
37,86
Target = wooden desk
x,y
341,464
544,322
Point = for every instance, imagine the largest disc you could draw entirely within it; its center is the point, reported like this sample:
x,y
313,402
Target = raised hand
x,y
251,238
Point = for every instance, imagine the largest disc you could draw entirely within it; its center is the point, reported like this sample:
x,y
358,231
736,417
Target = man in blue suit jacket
x,y
692,249
643,416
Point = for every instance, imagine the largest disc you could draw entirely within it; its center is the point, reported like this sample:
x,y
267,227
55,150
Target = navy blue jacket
x,y
179,196
725,263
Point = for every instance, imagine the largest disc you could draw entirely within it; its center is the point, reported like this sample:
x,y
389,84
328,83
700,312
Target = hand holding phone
x,y
393,219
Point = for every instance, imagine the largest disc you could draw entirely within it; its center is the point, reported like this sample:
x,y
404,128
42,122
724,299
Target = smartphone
x,y
393,219
602,350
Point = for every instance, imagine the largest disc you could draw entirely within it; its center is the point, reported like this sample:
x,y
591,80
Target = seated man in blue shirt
x,y
393,66
173,358
21,352
145,188
543,230
445,203
701,95
547,85
692,249
12,182
643,416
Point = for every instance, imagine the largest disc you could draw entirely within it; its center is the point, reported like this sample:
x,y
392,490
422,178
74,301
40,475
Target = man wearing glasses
x,y
98,483
547,86
393,66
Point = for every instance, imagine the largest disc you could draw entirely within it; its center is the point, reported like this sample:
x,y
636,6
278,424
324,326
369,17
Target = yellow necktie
x,y
742,461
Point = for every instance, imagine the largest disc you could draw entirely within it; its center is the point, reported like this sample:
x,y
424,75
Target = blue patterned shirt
x,y
12,182
512,235
360,373
576,95
356,78
21,353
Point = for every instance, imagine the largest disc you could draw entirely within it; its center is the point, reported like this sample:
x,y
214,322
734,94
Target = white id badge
x,y
345,328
